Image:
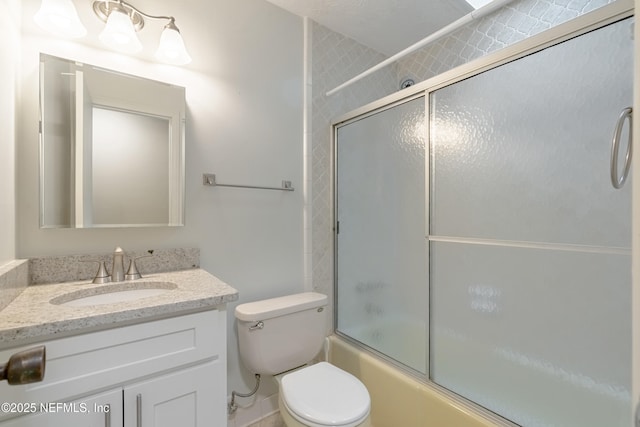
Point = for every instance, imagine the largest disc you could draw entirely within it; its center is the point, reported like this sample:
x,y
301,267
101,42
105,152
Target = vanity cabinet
x,y
169,372
185,398
110,401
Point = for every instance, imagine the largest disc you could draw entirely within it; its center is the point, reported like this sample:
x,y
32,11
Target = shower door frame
x,y
583,24
334,140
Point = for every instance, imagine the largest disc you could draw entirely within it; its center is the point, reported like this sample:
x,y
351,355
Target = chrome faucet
x,y
101,276
132,272
117,269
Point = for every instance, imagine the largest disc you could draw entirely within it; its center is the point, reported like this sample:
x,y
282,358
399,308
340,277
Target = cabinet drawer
x,y
87,363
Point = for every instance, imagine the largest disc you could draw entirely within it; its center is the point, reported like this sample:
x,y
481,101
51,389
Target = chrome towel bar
x,y
210,180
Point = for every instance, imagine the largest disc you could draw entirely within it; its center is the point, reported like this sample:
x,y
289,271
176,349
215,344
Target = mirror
x,y
111,148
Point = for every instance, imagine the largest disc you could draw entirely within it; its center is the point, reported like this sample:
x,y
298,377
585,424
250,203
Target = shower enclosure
x,y
480,243
382,264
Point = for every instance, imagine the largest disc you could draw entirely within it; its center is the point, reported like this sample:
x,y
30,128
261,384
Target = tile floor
x,y
273,420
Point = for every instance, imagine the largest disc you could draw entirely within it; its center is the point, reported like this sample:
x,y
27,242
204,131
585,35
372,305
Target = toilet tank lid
x,y
274,307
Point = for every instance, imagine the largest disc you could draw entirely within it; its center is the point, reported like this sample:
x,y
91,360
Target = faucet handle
x,y
101,276
132,272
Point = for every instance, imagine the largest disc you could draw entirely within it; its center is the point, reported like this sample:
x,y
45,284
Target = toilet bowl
x,y
279,335
323,395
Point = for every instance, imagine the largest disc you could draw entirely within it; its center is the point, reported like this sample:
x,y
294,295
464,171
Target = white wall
x,y
244,123
130,168
9,60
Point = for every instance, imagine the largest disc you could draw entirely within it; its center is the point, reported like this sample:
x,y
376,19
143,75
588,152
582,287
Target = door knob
x,y
24,367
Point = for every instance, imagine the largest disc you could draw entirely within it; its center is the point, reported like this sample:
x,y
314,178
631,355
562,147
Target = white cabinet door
x,y
186,398
101,410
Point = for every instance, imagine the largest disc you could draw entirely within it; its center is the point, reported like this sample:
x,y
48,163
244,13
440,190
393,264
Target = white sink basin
x,y
114,293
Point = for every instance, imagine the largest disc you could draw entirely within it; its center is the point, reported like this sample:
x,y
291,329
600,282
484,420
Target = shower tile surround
x,y
515,22
335,59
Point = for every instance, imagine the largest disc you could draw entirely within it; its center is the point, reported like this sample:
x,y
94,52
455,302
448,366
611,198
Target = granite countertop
x,y
31,317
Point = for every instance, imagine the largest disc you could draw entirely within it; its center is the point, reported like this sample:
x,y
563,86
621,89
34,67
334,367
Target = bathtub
x,y
398,399
408,347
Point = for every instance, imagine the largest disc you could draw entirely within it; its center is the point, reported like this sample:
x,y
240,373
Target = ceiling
x,y
387,26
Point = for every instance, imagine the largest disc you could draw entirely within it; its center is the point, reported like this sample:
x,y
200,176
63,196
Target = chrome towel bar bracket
x,y
210,180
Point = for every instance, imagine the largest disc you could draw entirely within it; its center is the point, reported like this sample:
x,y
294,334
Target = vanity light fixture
x,y
120,32
122,20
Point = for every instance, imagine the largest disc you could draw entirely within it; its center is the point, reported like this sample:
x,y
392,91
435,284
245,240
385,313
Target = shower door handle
x,y
618,180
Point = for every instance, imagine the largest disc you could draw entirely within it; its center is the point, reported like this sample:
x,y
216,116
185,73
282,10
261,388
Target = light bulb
x,y
171,48
60,18
119,33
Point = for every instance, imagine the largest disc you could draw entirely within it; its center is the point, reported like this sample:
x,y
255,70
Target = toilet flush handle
x,y
259,325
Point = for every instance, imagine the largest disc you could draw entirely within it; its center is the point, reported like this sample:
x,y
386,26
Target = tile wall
x,y
335,59
515,22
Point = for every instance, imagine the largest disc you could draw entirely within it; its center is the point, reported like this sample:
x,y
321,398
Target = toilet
x,y
279,337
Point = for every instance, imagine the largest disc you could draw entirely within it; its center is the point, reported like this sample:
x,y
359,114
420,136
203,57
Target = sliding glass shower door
x,y
381,261
530,243
513,288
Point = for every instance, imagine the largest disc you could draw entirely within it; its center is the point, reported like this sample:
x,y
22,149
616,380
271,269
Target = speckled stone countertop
x,y
31,317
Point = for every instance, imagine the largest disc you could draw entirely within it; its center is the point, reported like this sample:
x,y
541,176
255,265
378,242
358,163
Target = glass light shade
x,y
119,33
171,48
60,18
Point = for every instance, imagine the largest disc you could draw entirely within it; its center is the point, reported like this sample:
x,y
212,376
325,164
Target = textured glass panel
x,y
530,266
381,254
522,152
542,337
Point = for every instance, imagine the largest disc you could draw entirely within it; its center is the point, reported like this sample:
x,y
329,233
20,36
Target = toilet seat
x,y
324,395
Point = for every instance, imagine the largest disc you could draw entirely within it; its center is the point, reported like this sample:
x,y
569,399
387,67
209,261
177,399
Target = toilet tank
x,y
279,334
